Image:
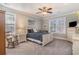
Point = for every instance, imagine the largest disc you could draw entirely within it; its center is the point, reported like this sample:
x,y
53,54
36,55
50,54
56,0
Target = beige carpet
x,y
56,47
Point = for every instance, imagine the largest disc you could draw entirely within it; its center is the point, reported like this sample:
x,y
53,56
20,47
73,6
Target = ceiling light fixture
x,y
44,10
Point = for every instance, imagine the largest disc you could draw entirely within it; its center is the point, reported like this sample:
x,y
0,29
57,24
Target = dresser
x,y
70,33
75,46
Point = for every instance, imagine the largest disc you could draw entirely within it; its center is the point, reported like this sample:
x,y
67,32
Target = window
x,y
58,25
10,23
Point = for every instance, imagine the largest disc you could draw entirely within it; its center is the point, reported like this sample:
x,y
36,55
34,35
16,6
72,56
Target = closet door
x,y
2,33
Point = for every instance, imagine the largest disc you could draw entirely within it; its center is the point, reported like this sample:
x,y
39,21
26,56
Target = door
x,y
2,33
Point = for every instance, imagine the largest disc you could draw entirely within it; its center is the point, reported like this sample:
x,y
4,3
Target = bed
x,y
39,37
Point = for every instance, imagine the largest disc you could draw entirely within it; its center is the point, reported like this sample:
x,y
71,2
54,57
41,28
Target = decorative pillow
x,y
30,31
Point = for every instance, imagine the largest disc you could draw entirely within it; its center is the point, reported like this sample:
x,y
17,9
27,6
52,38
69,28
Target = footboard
x,y
47,38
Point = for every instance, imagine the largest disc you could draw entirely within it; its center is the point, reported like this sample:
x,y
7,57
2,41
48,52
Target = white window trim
x,y
10,13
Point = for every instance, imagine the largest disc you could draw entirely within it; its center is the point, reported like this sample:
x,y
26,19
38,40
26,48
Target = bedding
x,y
36,35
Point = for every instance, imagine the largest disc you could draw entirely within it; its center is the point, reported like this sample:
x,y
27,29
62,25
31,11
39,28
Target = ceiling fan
x,y
44,10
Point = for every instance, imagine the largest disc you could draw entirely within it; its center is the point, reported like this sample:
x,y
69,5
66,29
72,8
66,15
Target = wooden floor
x,y
56,47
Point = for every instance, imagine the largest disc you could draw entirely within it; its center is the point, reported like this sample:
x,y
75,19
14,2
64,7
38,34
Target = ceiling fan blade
x,y
40,9
49,8
49,12
38,12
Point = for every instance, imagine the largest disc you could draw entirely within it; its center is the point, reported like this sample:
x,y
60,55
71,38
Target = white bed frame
x,y
47,38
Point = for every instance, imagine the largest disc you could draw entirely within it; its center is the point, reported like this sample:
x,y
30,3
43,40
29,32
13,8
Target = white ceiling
x,y
33,7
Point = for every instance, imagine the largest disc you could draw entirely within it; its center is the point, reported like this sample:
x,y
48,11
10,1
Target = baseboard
x,y
60,38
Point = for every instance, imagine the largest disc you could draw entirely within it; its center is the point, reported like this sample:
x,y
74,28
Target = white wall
x,y
36,23
69,17
21,19
21,23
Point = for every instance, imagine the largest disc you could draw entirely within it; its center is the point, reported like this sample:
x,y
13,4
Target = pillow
x,y
35,30
30,31
45,31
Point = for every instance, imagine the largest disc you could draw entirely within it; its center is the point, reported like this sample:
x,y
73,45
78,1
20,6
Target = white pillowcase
x,y
35,30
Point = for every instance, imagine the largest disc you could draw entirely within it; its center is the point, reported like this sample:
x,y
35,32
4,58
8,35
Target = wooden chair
x,y
16,40
12,41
